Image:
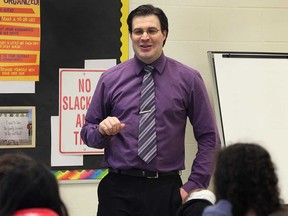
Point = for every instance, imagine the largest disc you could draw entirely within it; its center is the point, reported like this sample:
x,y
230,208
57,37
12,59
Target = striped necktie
x,y
147,131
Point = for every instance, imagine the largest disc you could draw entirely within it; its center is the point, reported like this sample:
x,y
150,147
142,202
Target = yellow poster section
x,y
19,40
124,32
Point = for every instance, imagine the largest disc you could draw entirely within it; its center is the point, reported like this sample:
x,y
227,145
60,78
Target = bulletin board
x,y
251,103
71,32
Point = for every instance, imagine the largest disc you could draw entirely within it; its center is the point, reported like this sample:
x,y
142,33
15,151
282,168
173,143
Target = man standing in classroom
x,y
138,114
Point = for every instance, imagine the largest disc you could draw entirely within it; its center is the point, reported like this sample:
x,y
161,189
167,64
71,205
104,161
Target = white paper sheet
x,y
10,87
97,64
58,159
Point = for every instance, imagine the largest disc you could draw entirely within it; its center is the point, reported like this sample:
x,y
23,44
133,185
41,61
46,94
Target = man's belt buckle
x,y
149,175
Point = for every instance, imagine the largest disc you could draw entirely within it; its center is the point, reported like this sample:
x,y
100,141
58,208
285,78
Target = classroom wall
x,y
195,27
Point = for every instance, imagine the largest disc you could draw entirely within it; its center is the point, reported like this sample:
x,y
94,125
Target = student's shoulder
x,y
221,208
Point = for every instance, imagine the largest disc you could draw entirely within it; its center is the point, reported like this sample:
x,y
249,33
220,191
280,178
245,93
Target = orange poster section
x,y
19,40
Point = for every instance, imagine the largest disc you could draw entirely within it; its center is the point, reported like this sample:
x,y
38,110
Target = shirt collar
x,y
159,64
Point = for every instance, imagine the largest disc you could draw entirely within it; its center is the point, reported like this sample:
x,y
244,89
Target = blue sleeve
x,y
221,208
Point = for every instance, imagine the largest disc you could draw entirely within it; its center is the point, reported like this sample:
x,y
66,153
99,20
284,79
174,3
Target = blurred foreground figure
x,y
246,183
30,185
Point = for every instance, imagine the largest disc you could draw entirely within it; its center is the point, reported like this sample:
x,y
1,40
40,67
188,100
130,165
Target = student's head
x,y
30,185
9,160
245,175
148,28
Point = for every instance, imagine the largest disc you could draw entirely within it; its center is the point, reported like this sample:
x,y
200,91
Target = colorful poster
x,y
19,40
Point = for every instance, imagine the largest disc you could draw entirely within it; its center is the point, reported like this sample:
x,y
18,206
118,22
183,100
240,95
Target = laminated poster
x,y
19,40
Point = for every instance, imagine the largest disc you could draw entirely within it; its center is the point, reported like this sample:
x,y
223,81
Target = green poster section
x,y
71,32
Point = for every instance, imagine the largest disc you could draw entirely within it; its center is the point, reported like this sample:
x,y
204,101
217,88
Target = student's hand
x,y
110,126
183,194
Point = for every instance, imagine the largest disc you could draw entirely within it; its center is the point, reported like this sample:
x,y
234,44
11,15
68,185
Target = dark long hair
x,y
245,176
30,185
148,9
9,160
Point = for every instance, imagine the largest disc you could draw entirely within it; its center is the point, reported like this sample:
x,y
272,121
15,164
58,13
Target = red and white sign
x,y
75,94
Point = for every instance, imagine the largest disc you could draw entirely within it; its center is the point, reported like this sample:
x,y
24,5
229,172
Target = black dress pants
x,y
123,195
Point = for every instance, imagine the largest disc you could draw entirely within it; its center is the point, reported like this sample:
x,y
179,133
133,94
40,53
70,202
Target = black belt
x,y
143,173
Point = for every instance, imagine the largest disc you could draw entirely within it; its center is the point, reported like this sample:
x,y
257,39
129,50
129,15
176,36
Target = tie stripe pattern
x,y
147,131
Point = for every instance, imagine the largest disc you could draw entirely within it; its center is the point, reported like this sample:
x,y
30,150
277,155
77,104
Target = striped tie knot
x,y
148,68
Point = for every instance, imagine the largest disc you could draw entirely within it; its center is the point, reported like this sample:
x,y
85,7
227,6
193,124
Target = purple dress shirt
x,y
180,93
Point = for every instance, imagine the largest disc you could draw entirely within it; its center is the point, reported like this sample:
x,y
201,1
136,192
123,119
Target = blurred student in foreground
x,y
246,183
30,185
9,160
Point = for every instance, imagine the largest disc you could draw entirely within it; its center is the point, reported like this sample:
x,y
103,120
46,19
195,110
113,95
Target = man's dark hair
x,y
148,9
